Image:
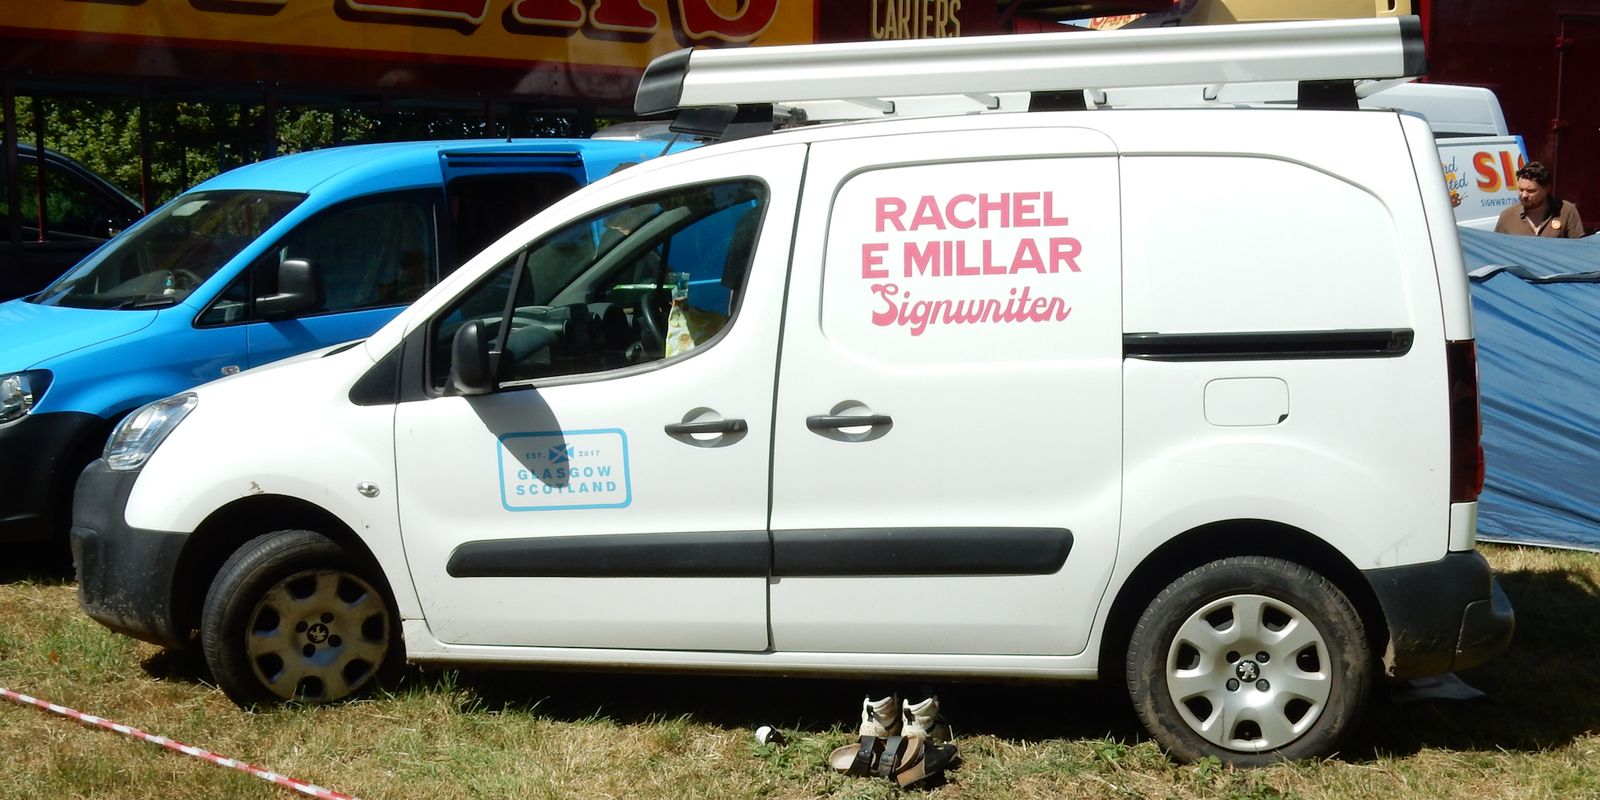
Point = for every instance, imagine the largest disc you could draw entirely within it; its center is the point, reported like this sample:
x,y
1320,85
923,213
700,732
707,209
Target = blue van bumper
x,y
126,575
39,458
1443,616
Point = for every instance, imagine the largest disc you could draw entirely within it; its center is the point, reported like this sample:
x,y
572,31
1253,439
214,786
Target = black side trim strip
x,y
1379,343
920,551
661,86
731,554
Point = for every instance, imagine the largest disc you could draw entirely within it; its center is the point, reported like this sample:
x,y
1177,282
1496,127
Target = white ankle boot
x,y
923,720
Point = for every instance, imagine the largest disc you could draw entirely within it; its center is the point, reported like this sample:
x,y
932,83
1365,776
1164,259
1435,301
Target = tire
x,y
1201,687
292,618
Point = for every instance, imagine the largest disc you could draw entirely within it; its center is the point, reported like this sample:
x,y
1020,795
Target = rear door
x,y
947,437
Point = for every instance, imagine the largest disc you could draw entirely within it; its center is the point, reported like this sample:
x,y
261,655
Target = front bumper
x,y
1443,616
126,576
39,456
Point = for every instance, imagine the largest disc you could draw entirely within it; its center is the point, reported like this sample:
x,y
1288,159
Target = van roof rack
x,y
1038,71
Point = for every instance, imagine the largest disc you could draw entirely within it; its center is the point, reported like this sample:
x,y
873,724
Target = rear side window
x,y
74,208
1240,244
485,207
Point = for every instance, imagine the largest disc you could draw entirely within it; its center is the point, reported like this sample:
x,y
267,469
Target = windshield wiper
x,y
150,301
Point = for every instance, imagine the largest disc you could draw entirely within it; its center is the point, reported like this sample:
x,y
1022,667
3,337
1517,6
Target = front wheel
x,y
292,617
1250,660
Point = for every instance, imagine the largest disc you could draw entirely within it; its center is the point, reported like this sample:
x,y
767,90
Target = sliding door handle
x,y
833,422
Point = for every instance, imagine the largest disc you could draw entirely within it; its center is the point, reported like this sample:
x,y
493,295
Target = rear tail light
x,y
1466,422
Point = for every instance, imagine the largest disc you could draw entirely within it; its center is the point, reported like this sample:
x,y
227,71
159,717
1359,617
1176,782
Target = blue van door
x,y
373,256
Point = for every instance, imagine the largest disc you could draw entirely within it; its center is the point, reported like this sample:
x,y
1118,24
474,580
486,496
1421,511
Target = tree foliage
x,y
190,141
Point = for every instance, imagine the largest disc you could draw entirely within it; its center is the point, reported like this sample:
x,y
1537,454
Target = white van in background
x,y
1478,156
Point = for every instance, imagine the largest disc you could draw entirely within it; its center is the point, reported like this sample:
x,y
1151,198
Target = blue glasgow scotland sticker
x,y
551,470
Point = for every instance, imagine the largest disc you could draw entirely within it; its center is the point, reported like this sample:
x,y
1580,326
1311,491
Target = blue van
x,y
257,264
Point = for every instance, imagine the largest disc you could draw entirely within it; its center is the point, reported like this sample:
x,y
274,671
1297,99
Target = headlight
x,y
140,433
19,391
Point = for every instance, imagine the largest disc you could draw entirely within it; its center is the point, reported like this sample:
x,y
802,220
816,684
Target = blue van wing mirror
x,y
299,290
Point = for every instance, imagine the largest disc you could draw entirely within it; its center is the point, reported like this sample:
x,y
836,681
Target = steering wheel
x,y
184,279
653,309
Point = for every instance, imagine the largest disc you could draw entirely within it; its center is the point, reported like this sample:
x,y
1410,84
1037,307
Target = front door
x,y
947,448
373,255
613,491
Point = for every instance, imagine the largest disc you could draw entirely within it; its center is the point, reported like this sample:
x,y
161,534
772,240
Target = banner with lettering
x,y
583,50
1481,174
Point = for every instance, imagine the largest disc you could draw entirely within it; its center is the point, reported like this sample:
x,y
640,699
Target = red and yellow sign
x,y
192,39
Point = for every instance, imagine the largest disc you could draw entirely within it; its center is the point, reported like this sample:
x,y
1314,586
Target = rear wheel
x,y
292,617
1250,660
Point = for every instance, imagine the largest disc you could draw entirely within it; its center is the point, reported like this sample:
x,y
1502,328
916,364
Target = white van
x,y
1185,397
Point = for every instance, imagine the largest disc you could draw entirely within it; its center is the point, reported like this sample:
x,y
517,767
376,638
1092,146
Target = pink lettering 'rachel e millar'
x,y
962,211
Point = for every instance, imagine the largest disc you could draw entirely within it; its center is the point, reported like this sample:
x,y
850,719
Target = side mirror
x,y
299,290
470,373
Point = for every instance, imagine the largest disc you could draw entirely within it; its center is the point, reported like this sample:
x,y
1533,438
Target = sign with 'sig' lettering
x,y
1481,174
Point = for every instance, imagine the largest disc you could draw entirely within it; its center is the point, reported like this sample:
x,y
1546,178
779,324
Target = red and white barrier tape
x,y
204,755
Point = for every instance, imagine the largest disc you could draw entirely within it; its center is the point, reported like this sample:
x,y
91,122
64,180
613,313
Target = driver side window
x,y
650,280
369,253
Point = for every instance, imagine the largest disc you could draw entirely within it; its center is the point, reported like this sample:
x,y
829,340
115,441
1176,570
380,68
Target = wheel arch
x,y
228,528
1226,539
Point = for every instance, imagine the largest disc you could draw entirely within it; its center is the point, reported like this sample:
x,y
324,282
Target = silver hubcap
x,y
1249,673
317,636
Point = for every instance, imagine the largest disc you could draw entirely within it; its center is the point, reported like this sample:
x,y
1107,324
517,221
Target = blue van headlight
x,y
20,391
140,433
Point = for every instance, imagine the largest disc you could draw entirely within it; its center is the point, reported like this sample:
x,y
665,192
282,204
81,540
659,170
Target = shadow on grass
x,y
1008,711
47,564
1544,690
1020,711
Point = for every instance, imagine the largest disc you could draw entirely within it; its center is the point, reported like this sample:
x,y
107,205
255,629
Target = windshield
x,y
162,260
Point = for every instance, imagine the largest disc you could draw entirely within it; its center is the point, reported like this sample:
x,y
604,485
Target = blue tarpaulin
x,y
1536,314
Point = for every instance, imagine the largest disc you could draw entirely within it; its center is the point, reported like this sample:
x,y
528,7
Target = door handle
x,y
833,422
707,426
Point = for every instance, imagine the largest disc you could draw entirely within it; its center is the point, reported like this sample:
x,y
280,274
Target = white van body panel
x,y
462,469
261,433
423,647
1227,251
995,424
1203,472
1450,268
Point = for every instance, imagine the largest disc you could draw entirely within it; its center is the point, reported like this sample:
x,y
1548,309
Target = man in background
x,y
1540,213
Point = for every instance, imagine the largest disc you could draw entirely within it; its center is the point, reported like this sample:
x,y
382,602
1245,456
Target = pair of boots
x,y
905,742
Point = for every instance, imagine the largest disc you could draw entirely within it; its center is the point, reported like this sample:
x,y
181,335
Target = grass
x,y
533,734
